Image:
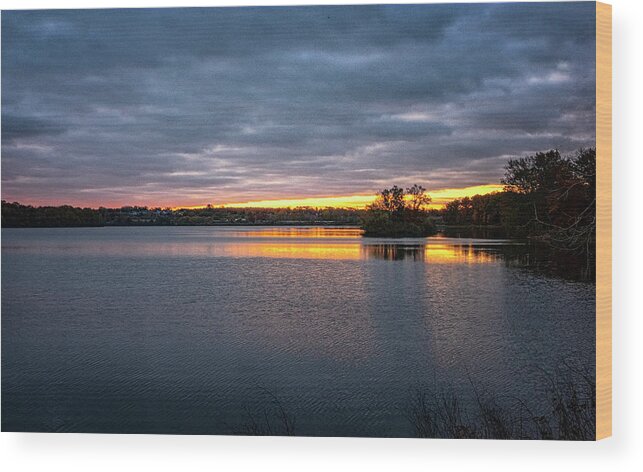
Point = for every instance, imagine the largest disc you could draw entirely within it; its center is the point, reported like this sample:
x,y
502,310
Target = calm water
x,y
200,329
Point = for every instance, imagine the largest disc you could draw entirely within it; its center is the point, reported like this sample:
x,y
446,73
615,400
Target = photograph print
x,y
362,221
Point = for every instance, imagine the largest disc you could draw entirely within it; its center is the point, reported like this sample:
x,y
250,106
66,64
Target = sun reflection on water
x,y
433,253
329,243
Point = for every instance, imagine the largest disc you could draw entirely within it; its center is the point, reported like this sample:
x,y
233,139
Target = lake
x,y
209,330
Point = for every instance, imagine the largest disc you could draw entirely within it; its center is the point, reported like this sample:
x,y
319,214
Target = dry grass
x,y
274,420
570,413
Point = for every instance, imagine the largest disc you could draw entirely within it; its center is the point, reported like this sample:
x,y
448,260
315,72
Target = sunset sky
x,y
287,106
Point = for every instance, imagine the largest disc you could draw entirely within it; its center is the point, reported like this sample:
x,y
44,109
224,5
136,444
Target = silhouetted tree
x,y
399,213
546,196
419,199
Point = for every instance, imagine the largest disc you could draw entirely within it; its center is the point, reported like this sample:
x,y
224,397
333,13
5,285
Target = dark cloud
x,y
15,127
187,106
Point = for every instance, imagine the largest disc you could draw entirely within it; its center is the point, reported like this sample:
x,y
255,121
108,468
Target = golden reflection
x,y
281,243
301,232
295,251
430,253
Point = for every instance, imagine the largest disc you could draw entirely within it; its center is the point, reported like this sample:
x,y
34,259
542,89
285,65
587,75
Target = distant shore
x,y
16,215
140,225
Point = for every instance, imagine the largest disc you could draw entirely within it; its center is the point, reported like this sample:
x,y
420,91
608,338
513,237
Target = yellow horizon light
x,y
439,199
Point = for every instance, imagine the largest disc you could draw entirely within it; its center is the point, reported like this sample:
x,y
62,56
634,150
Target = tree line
x,y
546,196
16,215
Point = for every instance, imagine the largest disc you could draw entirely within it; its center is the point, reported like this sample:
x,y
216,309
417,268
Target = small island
x,y
399,213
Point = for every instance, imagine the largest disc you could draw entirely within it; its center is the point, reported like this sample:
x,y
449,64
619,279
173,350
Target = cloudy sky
x,y
191,106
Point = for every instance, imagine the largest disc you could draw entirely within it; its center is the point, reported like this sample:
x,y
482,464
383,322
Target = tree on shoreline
x,y
562,192
547,196
399,213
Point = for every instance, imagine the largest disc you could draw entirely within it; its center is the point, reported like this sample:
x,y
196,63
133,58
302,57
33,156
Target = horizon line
x,y
439,198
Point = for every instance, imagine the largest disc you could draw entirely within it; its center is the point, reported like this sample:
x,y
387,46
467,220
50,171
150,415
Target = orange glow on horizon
x,y
439,197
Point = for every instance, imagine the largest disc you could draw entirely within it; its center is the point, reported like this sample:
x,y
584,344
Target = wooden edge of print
x,y
603,220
